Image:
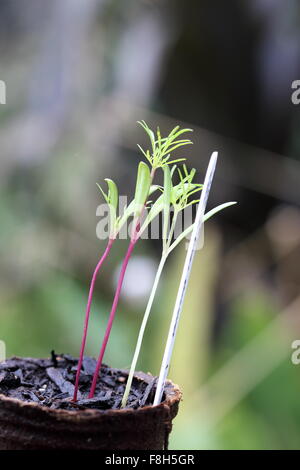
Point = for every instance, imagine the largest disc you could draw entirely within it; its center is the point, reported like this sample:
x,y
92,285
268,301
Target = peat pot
x,y
30,425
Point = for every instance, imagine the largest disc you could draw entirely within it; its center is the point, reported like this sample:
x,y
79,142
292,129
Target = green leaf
x,y
146,154
103,193
149,132
193,191
113,194
181,189
166,162
195,201
143,183
207,216
169,150
217,209
173,170
112,200
173,132
163,146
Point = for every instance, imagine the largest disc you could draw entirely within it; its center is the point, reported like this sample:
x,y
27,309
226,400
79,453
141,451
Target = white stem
x,y
184,279
142,330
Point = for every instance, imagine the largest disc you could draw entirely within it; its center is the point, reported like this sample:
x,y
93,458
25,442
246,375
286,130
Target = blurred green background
x,y
78,76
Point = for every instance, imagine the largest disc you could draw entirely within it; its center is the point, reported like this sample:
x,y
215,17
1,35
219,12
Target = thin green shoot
x,y
179,197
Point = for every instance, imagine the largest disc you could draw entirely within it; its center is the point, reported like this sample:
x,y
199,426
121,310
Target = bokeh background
x,y
79,74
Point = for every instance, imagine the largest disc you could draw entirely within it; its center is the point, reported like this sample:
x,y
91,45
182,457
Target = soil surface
x,y
50,383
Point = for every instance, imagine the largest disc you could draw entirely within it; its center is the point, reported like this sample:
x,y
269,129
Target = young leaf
x,y
216,209
103,193
162,147
149,132
207,216
143,183
180,190
112,199
113,195
167,162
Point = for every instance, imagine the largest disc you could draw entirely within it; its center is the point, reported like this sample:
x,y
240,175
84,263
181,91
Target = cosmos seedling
x,y
200,219
159,156
177,197
116,224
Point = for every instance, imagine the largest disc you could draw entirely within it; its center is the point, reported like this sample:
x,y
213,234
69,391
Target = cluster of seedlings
x,y
68,383
171,199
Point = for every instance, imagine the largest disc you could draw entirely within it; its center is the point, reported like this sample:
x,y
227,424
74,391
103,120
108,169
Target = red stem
x,y
111,317
87,314
134,239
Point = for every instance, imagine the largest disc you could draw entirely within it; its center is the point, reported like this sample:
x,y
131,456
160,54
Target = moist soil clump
x,y
50,383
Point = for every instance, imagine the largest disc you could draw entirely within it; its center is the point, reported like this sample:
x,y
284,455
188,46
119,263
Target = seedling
x,y
179,198
158,157
115,224
112,199
200,219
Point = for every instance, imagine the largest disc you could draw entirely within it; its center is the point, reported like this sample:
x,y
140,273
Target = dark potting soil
x,y
50,383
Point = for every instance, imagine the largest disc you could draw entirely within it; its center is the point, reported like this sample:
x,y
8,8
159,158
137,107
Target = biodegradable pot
x,y
28,425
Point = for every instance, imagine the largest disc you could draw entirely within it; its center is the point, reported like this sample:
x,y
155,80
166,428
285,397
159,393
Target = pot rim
x,y
172,392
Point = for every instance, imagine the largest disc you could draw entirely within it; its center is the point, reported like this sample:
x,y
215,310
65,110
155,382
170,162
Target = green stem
x,y
148,309
142,330
171,233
